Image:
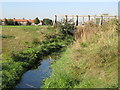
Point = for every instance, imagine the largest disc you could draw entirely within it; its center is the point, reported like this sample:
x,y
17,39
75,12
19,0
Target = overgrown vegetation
x,y
47,21
89,64
28,58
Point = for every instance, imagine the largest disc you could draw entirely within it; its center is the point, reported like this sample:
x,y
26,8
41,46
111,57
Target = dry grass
x,y
18,38
88,63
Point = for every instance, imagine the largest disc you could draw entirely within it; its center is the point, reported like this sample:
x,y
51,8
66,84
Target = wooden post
x,y
55,21
83,20
101,20
66,19
77,20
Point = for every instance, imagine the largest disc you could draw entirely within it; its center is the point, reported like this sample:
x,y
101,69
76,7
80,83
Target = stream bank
x,y
23,61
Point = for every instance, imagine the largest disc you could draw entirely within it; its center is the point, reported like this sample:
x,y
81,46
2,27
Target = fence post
x,y
77,20
66,19
83,20
95,19
101,20
88,17
55,21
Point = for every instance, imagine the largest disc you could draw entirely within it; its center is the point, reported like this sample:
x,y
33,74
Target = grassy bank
x,y
89,64
16,62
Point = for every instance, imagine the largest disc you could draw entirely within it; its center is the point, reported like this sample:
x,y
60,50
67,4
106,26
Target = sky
x,y
31,10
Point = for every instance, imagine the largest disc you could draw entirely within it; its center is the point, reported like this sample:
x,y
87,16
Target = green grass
x,y
89,64
17,61
18,38
18,41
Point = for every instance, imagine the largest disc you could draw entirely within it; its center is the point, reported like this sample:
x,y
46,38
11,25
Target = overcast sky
x,y
30,10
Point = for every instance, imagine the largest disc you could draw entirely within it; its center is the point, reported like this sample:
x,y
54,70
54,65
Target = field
x,y
25,46
18,38
89,62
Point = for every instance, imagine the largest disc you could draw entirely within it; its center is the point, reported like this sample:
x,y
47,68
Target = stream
x,y
34,78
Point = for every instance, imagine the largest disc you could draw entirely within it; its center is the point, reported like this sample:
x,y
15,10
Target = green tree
x,y
6,22
28,23
47,21
67,28
16,23
0,22
36,21
10,22
106,14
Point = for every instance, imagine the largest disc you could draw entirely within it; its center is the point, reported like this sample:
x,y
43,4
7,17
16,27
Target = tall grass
x,y
89,64
15,64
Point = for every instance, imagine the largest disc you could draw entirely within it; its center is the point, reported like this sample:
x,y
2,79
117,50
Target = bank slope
x,y
89,64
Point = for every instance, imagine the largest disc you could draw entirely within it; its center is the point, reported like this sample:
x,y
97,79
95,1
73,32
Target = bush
x,y
10,22
67,28
28,23
47,21
16,23
36,21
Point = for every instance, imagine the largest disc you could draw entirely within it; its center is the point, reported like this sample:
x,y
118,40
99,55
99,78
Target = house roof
x,y
21,20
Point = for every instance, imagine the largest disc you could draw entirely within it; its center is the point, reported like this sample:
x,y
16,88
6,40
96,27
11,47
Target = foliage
x,y
36,20
90,64
47,21
16,23
36,41
10,22
6,36
6,21
67,28
28,23
15,64
106,14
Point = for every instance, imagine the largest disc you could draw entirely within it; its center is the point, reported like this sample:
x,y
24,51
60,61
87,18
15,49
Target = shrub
x,y
36,21
6,21
28,23
67,28
16,23
47,21
10,22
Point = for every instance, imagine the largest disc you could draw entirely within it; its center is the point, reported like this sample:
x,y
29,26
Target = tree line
x,y
45,21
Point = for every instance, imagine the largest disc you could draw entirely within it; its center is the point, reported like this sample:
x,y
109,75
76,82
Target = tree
x,y
28,23
10,22
0,22
47,21
67,28
6,22
36,21
105,14
16,23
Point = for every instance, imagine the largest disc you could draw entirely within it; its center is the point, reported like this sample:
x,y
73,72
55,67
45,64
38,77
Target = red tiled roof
x,y
31,20
21,20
